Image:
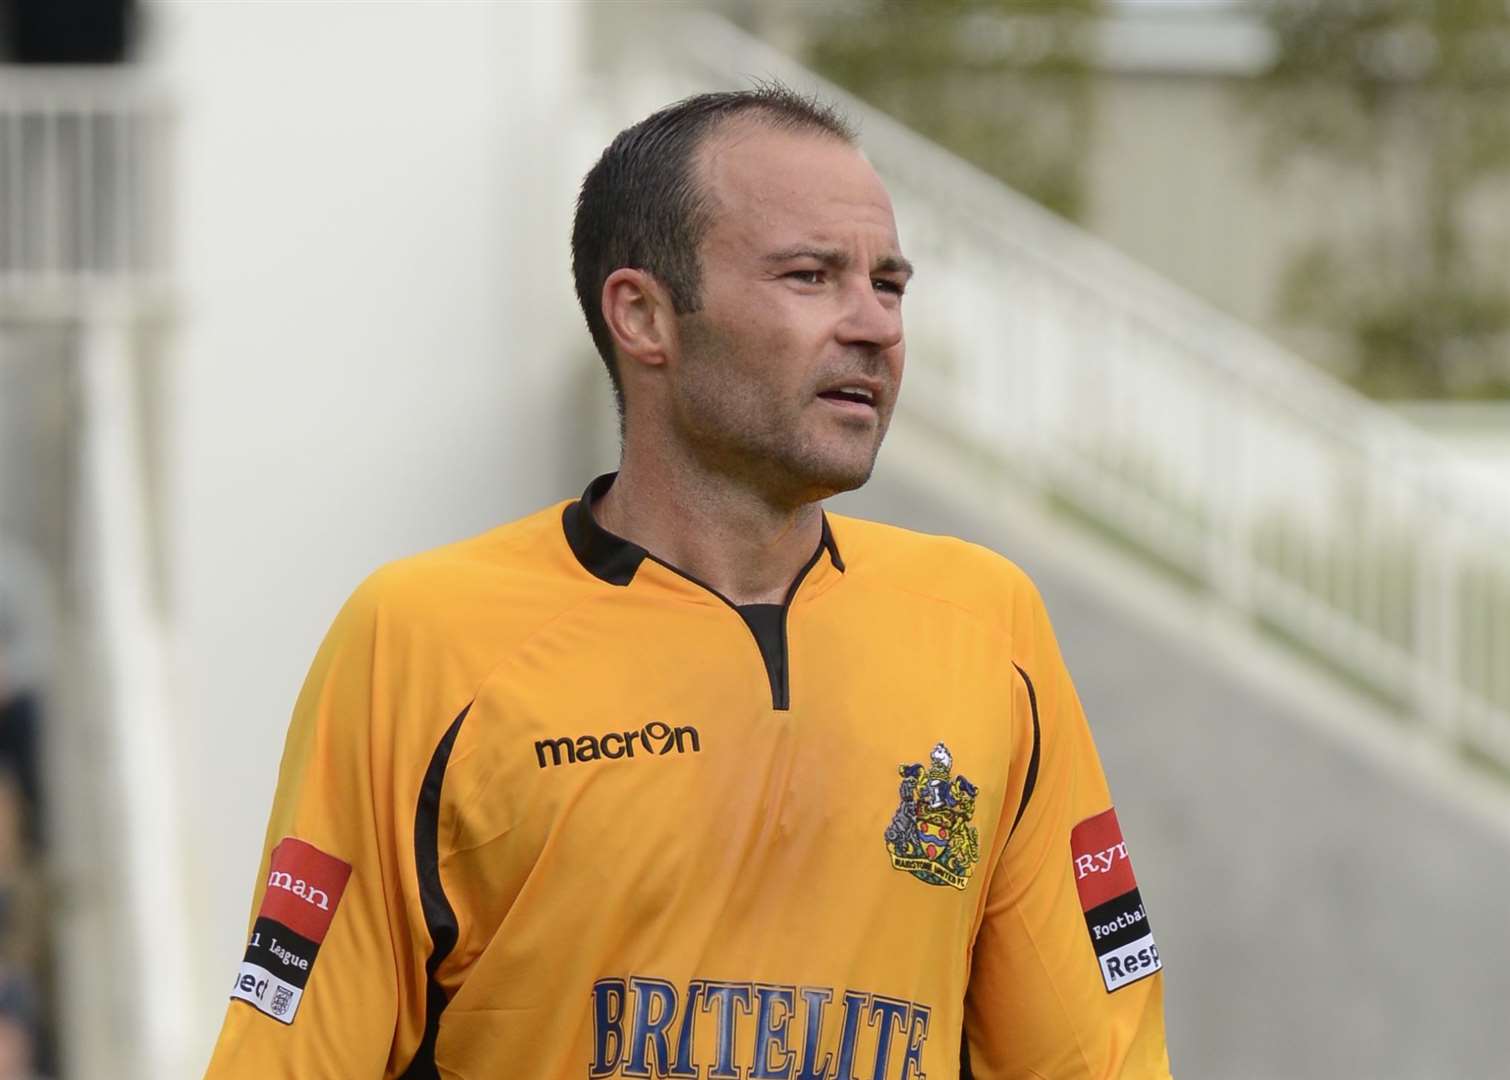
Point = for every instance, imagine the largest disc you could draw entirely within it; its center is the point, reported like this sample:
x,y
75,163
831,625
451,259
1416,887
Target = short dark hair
x,y
641,205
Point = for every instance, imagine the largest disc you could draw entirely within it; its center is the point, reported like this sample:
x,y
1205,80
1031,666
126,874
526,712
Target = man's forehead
x,y
758,177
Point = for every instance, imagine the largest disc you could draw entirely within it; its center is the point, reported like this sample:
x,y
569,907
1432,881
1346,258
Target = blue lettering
x,y
890,1013
654,1009
644,1027
608,1026
685,1067
917,1034
854,1006
729,999
814,999
773,1012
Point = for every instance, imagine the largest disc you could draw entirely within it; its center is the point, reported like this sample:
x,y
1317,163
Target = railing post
x,y
1436,638
129,645
1229,498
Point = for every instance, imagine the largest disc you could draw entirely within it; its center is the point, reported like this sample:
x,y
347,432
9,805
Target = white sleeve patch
x,y
267,993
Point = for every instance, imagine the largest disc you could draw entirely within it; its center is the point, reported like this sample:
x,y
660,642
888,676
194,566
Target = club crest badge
x,y
930,835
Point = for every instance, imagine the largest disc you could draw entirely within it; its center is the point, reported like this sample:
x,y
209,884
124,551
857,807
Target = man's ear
x,y
639,314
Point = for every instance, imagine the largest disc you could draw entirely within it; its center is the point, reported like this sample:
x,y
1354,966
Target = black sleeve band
x,y
440,918
1032,777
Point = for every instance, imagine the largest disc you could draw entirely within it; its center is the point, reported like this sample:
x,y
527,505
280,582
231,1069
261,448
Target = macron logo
x,y
656,738
310,894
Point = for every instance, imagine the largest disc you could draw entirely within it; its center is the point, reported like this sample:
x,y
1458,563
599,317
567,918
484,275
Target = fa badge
x,y
930,835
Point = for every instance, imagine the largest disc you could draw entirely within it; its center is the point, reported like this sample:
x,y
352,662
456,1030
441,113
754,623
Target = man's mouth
x,y
850,397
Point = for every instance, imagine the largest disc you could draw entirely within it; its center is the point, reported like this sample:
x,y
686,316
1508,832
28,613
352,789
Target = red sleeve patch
x,y
304,885
1114,914
1102,868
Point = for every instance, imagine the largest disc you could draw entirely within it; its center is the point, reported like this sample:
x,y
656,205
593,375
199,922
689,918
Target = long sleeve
x,y
1066,980
318,992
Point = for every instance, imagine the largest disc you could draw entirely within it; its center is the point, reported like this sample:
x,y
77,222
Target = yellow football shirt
x,y
550,808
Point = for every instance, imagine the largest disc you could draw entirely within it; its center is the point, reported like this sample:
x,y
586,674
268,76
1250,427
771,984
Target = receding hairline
x,y
733,128
757,118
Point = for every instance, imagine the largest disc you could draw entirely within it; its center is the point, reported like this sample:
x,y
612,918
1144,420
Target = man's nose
x,y
869,319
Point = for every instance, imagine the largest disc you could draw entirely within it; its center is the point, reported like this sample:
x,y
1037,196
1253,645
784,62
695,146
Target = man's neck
x,y
712,528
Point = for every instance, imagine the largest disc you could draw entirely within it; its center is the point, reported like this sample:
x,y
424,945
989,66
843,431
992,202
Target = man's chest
x,y
645,767
629,824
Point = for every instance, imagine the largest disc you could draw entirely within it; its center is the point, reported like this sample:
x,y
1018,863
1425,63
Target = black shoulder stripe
x,y
440,918
1032,778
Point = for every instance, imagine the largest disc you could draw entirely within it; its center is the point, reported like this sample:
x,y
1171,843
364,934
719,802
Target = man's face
x,y
788,374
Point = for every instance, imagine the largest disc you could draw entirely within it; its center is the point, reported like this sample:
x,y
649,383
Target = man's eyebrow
x,y
827,256
893,264
839,260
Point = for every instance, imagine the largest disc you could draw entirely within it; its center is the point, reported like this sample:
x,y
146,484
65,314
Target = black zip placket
x,y
615,560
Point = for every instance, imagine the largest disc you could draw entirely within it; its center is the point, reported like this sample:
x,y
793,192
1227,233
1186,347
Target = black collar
x,y
614,559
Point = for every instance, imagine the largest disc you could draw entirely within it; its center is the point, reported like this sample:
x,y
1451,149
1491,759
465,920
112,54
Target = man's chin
x,y
847,468
821,480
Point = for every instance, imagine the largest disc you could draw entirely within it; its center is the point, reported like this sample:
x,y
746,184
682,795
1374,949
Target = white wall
x,y
377,352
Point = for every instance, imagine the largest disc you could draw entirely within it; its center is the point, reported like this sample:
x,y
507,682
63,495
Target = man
x,y
684,778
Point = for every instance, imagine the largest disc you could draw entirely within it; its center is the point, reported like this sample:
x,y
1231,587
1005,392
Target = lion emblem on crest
x,y
930,835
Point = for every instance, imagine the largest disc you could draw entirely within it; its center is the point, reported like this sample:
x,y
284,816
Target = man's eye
x,y
807,277
896,288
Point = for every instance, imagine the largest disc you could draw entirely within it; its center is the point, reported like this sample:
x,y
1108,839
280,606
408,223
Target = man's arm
x,y
1066,980
321,989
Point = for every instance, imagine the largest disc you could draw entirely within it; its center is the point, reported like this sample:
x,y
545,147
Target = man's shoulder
x,y
532,545
502,580
944,568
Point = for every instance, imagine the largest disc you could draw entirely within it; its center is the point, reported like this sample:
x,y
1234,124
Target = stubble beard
x,y
734,427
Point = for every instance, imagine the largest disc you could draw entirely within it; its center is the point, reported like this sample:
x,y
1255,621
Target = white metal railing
x,y
84,188
83,170
1128,402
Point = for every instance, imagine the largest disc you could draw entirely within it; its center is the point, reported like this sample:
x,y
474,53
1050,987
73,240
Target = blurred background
x,y
1211,334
